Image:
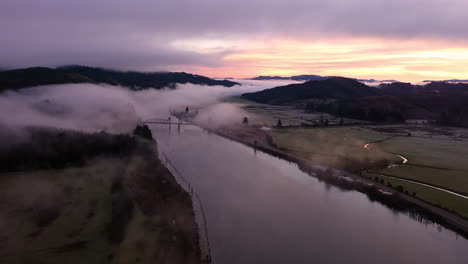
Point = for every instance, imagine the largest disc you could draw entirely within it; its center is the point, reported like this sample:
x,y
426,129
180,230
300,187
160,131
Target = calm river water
x,y
261,209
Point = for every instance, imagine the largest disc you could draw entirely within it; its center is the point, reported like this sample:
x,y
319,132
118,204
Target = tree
x,y
143,131
279,124
245,120
186,109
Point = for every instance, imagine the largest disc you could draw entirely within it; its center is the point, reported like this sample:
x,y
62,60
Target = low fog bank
x,y
220,114
93,108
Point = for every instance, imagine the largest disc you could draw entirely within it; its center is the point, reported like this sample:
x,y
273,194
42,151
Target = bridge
x,y
165,121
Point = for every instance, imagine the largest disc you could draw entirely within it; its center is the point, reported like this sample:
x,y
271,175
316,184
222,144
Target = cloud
x,y
93,108
139,34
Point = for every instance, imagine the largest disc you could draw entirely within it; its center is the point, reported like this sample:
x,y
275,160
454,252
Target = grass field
x,y
268,115
103,212
325,145
436,155
439,198
75,194
440,161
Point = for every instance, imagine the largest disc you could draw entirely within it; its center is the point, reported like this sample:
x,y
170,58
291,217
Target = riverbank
x,y
259,139
112,208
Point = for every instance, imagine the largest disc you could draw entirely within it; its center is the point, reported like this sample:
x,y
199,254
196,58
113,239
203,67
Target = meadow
x,y
436,155
268,115
118,208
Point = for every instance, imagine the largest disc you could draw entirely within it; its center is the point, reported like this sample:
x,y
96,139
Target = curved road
x,y
405,160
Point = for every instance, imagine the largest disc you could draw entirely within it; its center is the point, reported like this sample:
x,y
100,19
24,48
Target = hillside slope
x,y
332,88
139,80
16,79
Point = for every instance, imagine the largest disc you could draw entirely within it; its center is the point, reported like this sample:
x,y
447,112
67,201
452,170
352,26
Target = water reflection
x,y
261,209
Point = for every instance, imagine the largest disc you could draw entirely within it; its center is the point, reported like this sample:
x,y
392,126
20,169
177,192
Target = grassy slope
x,y
83,197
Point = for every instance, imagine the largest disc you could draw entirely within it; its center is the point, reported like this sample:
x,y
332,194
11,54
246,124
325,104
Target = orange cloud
x,y
404,60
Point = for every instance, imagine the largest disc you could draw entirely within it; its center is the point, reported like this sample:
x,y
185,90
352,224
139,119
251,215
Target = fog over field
x,y
91,107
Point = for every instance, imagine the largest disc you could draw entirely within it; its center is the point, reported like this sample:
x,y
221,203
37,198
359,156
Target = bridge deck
x,y
166,123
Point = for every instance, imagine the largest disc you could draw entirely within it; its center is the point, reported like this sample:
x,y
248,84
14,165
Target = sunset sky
x,y
406,40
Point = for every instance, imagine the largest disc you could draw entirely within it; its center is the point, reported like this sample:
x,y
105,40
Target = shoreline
x,y
199,217
416,208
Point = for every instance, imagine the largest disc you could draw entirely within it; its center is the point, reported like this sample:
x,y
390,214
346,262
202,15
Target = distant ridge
x,y
449,81
440,102
16,79
348,88
333,87
303,77
311,77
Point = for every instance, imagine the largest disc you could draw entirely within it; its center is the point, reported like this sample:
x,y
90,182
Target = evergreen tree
x,y
279,124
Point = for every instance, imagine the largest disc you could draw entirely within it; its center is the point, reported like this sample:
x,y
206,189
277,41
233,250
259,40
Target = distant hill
x,y
15,79
264,78
444,102
400,88
446,109
373,108
295,78
139,80
450,81
331,88
309,77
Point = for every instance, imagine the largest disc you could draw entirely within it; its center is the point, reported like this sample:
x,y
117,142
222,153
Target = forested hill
x,y
441,101
138,80
16,79
334,87
338,88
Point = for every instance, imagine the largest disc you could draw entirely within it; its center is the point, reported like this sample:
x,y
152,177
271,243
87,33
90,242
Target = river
x,y
261,209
